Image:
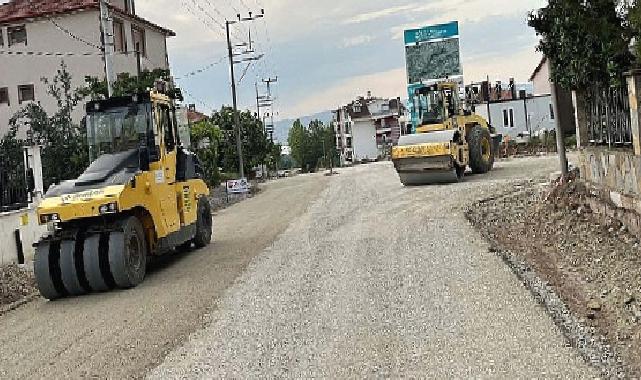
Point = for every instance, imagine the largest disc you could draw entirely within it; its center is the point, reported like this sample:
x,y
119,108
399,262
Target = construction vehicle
x,y
142,196
449,140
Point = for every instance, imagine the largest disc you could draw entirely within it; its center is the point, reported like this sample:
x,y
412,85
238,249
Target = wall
x,y
614,178
364,140
541,81
30,233
538,111
43,36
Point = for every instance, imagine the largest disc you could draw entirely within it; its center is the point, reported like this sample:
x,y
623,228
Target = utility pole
x,y
257,101
489,99
106,23
560,142
232,63
268,82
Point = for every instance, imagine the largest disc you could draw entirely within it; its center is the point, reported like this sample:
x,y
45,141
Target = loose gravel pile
x,y
590,261
15,284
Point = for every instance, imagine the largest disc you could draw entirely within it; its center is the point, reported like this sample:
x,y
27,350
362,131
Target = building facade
x,y
37,35
543,86
520,117
367,128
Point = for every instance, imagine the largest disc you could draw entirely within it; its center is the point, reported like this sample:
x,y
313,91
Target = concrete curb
x,y
593,347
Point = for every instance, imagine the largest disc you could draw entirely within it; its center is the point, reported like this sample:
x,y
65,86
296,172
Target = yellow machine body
x,y
440,149
164,204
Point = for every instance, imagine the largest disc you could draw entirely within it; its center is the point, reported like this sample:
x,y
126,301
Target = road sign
x,y
238,186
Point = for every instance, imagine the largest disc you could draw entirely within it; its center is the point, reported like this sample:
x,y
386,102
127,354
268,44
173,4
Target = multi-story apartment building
x,y
36,35
367,127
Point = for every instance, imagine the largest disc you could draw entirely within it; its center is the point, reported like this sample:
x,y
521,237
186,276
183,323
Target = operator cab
x,y
437,103
129,134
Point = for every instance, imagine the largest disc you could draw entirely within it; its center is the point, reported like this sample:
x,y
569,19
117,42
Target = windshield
x,y
433,111
116,130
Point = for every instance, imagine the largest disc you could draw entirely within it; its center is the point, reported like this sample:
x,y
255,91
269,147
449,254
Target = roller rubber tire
x,y
204,224
128,254
47,271
72,269
478,163
91,259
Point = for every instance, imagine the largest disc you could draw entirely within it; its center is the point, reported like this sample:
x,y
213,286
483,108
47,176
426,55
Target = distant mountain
x,y
281,128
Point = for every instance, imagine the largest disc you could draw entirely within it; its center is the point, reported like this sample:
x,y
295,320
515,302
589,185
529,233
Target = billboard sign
x,y
433,53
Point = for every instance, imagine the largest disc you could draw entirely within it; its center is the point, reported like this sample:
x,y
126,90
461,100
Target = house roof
x,y
195,116
19,10
538,68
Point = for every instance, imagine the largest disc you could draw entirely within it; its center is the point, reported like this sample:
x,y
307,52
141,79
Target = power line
x,y
197,99
202,69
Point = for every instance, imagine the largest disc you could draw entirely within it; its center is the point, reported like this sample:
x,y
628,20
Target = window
x,y
17,35
120,42
551,112
4,96
1,37
26,93
138,36
508,118
511,117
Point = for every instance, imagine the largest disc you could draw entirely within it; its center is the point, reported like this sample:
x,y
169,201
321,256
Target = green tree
x,y
206,137
12,159
587,41
312,147
256,146
125,84
64,152
298,140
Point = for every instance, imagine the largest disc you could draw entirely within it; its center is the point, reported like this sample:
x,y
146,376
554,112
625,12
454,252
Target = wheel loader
x,y
448,141
141,196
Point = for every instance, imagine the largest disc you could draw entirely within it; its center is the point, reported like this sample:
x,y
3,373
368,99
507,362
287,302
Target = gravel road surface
x,y
123,334
378,280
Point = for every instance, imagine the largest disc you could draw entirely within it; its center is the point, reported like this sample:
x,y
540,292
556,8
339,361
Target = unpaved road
x,y
377,280
122,334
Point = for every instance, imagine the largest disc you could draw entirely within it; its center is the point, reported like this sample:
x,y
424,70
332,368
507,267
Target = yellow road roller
x,y
448,141
142,196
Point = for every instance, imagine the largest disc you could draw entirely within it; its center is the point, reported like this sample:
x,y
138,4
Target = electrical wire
x,y
202,69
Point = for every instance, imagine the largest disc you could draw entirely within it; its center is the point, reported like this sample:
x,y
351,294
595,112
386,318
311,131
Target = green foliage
x,y
64,153
587,41
11,158
206,137
257,149
125,84
312,147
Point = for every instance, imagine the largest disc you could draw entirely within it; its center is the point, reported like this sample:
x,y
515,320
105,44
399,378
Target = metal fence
x,y
13,189
608,116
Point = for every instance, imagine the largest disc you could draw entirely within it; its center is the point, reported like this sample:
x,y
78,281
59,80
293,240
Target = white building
x,y
36,35
366,128
520,117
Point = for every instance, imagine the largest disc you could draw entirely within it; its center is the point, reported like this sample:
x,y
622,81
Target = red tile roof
x,y
17,10
195,116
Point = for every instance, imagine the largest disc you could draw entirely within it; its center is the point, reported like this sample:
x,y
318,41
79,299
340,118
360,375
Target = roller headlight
x,y
110,208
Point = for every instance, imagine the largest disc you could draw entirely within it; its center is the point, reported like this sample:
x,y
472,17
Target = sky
x,y
326,53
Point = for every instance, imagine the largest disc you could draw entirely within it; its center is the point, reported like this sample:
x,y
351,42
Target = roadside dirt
x,y
591,261
122,334
15,284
